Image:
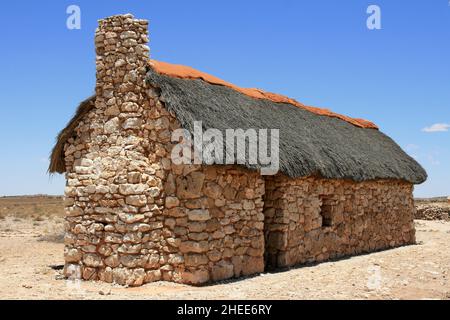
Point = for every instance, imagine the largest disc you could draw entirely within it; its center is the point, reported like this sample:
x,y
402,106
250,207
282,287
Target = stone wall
x,y
312,220
216,216
132,216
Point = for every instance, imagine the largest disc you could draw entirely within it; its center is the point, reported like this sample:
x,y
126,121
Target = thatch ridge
x,y
185,72
310,144
57,163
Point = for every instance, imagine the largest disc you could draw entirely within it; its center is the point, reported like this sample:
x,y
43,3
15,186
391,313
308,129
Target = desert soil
x,y
31,254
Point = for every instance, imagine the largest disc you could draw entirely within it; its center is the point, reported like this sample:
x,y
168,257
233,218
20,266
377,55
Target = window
x,y
326,211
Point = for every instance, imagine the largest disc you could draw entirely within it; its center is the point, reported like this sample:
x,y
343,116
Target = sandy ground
x,y
31,251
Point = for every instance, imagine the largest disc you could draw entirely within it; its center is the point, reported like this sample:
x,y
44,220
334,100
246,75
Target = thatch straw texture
x,y
310,144
185,72
57,164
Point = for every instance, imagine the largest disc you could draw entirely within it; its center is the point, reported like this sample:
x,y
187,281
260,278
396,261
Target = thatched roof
x,y
310,143
57,164
185,72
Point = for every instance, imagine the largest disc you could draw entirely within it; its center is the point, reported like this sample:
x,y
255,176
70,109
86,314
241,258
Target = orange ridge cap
x,y
185,72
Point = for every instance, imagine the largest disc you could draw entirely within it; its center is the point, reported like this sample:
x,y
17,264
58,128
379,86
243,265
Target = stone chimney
x,y
122,56
107,187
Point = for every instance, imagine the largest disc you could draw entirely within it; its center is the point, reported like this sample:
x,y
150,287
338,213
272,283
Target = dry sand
x,y
31,250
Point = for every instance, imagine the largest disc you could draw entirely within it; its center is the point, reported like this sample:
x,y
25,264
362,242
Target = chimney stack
x,y
113,158
122,56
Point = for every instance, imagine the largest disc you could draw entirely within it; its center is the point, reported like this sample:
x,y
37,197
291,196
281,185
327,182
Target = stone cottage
x,y
133,216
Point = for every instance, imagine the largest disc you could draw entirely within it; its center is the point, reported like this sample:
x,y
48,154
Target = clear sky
x,y
318,52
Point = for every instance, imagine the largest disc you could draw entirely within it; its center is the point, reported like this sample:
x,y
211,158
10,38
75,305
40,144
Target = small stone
x,y
156,225
134,177
131,218
74,211
249,193
170,223
72,255
119,63
195,247
173,242
110,35
86,162
162,123
196,226
143,227
154,191
176,212
176,259
130,277
89,273
248,205
112,126
105,250
132,123
172,202
252,265
130,189
194,259
111,102
222,271
152,261
79,229
136,200
195,277
105,292
212,190
102,189
112,111
199,215
198,236
152,276
129,107
130,43
190,187
132,261
92,260
112,261
214,255
128,34
218,234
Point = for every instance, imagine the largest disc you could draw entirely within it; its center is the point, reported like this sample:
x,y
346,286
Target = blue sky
x,y
318,52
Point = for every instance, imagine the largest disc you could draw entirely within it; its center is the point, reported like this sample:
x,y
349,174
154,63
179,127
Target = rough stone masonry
x,y
133,217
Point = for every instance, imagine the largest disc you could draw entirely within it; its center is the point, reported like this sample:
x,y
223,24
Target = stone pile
x,y
432,211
